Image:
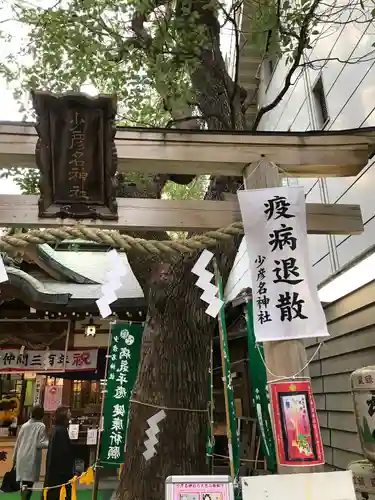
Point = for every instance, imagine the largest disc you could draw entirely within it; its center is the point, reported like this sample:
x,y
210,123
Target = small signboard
x,y
199,488
4,431
73,431
76,155
92,437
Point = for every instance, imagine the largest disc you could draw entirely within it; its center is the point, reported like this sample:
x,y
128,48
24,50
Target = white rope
x,y
232,363
273,164
160,407
241,459
296,375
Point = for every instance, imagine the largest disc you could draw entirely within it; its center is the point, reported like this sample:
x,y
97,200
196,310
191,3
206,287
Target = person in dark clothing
x,y
59,463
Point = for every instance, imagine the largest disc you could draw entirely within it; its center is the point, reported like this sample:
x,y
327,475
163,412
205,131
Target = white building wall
x,y
350,96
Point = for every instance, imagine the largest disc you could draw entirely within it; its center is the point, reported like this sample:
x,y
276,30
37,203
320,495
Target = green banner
x,y
261,400
234,450
122,372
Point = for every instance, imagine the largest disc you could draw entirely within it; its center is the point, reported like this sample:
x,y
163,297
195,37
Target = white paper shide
x,y
285,298
113,282
210,291
152,432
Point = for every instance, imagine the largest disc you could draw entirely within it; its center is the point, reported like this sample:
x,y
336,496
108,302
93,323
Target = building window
x,y
320,103
272,48
85,393
77,394
11,385
271,67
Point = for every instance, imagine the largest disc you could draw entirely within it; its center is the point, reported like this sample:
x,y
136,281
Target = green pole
x,y
231,417
210,428
261,400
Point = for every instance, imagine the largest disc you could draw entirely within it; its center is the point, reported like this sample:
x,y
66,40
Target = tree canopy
x,y
165,61
163,58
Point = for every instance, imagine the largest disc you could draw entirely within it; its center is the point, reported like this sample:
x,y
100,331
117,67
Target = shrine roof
x,y
92,268
69,281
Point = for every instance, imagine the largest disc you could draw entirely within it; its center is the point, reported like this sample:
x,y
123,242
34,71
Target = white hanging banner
x,y
285,297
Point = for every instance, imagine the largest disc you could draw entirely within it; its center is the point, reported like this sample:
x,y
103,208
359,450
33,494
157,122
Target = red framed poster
x,y
297,433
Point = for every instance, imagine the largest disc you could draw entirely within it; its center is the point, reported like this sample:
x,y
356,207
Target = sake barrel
x,y
363,476
363,388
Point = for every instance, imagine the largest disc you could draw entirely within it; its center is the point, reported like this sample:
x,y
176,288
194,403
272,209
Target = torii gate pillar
x,y
287,356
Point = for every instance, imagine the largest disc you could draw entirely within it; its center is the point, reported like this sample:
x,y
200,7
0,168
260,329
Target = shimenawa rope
x,y
16,244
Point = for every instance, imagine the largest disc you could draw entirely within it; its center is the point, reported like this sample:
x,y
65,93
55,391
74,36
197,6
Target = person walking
x,y
27,455
59,465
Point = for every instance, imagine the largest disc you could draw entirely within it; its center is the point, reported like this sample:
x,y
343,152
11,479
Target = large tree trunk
x,y
175,353
173,372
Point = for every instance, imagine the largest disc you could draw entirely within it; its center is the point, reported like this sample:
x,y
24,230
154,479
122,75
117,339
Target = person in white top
x,y
27,455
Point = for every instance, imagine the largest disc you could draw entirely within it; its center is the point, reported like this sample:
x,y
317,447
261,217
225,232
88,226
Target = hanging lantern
x,y
90,328
363,388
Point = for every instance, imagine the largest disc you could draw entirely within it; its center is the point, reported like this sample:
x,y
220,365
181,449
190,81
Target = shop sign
x,y
297,433
11,360
122,372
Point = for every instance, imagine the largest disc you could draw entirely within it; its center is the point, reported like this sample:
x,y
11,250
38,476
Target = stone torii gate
x,y
78,150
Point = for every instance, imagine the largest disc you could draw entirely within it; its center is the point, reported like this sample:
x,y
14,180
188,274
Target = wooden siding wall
x,y
351,345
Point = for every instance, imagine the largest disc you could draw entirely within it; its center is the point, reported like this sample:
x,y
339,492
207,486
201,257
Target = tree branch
x,y
303,39
280,26
356,60
235,90
137,26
